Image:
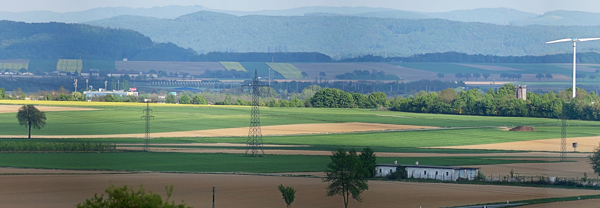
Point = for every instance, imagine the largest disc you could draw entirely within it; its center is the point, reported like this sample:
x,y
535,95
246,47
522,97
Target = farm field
x,y
288,71
236,66
258,191
69,65
296,150
173,118
218,162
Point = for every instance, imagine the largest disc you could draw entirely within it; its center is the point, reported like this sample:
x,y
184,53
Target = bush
x,y
124,197
399,174
480,176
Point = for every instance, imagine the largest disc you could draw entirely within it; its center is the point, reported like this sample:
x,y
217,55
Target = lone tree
x,y
32,117
368,160
595,160
539,76
288,193
440,75
549,76
345,175
485,76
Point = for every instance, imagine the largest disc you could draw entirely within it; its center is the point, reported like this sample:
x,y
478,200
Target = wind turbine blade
x,y
588,39
561,40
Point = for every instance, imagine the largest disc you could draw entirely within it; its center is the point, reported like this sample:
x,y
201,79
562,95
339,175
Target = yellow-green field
x,y
69,65
288,70
13,66
233,66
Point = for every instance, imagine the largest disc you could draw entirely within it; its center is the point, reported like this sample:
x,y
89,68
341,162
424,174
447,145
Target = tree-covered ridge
x,y
502,102
73,41
348,36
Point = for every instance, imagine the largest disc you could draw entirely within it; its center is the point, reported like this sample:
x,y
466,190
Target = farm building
x,y
444,173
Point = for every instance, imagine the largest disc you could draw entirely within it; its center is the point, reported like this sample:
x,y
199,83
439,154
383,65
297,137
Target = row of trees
x,y
366,75
28,147
511,76
503,103
466,76
547,76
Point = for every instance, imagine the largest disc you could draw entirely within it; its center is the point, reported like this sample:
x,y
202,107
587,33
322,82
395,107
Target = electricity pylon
x,y
254,143
147,117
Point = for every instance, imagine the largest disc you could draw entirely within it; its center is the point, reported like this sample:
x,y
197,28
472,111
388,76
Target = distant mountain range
x,y
502,16
342,36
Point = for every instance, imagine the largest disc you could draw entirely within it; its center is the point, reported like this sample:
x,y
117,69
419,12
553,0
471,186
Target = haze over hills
x,y
561,18
99,13
348,36
502,16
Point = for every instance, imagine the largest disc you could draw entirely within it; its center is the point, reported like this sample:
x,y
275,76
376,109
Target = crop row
x,y
29,147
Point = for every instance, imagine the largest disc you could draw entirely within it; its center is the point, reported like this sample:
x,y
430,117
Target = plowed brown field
x,y
256,191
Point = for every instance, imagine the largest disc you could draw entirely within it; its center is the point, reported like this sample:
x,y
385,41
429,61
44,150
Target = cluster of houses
x,y
442,173
16,73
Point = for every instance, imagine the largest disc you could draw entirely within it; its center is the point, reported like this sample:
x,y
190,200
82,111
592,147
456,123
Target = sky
x,y
533,6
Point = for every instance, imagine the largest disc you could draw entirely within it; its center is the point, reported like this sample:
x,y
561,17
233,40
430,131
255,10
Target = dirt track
x,y
314,152
590,203
293,129
257,191
5,171
15,108
585,144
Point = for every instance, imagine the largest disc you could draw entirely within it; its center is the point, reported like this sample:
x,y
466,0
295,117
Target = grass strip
x,y
541,201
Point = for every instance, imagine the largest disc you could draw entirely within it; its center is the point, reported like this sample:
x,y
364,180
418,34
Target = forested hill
x,y
349,36
77,41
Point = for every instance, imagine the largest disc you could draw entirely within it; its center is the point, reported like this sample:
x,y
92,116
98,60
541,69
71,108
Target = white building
x,y
383,170
443,173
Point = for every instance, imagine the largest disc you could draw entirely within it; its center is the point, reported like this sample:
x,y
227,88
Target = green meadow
x,y
187,162
121,118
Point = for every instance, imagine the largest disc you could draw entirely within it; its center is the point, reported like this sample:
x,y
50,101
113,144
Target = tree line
x,y
503,102
456,57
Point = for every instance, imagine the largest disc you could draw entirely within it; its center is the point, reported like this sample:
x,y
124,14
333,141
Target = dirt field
x,y
485,83
564,169
585,144
4,171
333,69
590,203
256,191
15,108
294,129
193,68
491,67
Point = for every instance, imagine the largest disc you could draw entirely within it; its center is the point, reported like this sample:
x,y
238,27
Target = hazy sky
x,y
534,6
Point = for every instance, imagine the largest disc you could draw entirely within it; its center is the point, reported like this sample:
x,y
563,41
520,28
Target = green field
x,y
520,68
13,66
117,118
233,66
69,65
186,162
289,71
